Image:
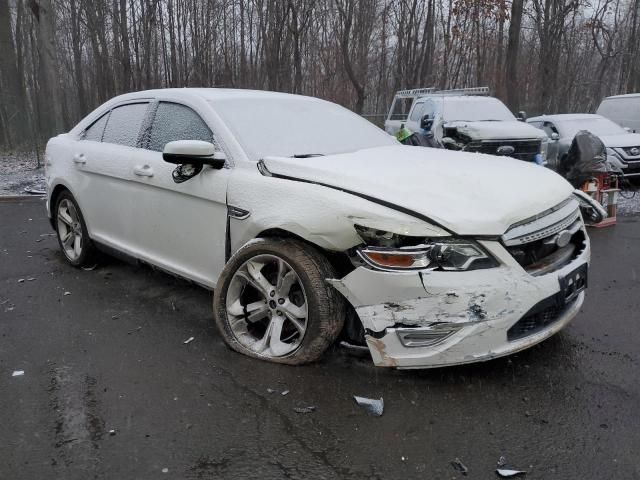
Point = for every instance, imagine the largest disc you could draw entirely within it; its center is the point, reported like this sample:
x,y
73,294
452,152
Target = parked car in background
x,y
623,110
467,120
623,147
429,257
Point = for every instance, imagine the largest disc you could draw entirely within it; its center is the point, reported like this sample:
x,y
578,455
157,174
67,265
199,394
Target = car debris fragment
x,y
309,409
137,329
284,392
506,473
89,268
17,373
165,470
459,466
112,432
67,293
21,280
188,340
373,407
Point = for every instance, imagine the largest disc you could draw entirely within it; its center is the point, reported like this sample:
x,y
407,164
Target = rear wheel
x,y
272,302
73,237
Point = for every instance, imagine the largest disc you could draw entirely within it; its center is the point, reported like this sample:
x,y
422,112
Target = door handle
x,y
79,159
143,171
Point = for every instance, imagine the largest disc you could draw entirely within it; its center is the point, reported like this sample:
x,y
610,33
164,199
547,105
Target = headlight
x,y
544,148
442,254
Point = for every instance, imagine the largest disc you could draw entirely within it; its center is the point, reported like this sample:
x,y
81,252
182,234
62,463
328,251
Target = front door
x,y
180,227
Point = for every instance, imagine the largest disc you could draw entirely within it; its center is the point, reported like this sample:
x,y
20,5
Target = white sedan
x,y
309,223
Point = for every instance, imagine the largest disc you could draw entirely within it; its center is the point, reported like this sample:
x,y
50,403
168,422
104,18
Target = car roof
x,y
458,98
211,94
626,95
563,117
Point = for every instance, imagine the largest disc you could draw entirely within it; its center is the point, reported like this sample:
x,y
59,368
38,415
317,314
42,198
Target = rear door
x,y
104,157
180,227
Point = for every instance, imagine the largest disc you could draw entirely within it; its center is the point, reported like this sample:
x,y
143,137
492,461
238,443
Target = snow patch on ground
x,y
18,172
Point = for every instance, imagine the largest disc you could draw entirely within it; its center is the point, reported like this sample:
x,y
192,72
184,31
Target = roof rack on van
x,y
418,92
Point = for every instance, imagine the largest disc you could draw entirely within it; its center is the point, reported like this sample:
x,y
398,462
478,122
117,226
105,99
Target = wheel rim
x,y
267,306
69,229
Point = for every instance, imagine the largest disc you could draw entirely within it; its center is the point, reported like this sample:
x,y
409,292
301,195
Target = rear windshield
x,y
289,126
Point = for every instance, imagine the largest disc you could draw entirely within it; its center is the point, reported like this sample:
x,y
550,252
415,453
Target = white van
x,y
622,109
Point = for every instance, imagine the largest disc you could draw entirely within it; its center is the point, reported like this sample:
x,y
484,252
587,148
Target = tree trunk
x,y
513,47
50,101
11,93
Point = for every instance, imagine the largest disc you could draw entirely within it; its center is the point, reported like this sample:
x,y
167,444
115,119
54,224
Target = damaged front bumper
x,y
435,318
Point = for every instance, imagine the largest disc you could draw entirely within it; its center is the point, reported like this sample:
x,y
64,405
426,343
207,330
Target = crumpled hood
x,y
497,130
622,140
468,193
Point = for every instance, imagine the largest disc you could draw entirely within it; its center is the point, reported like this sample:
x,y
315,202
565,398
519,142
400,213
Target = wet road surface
x,y
109,355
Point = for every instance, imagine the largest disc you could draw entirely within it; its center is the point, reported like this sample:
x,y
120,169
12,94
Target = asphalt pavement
x,y
111,391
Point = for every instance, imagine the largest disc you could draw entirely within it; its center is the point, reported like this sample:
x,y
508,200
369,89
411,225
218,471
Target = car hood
x,y
467,193
622,140
497,130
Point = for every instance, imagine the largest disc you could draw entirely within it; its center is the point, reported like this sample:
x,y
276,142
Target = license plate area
x,y
573,283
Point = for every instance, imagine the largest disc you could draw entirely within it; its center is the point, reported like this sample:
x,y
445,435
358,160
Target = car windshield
x,y
297,126
596,125
473,109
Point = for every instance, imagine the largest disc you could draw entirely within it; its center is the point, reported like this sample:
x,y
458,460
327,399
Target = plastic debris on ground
x,y
188,340
309,409
506,472
460,467
165,470
112,432
67,293
374,407
92,267
283,393
17,373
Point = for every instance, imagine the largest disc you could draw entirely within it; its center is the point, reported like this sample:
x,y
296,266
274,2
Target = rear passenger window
x,y
176,122
94,132
124,124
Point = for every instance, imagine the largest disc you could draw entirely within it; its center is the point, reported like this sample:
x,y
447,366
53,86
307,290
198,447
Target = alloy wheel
x,y
69,229
267,306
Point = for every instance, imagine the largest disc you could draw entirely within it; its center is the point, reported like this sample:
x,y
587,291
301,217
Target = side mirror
x,y
522,116
555,136
193,152
426,122
592,211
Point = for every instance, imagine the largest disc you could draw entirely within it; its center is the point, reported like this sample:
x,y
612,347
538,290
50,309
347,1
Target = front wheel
x,y
272,302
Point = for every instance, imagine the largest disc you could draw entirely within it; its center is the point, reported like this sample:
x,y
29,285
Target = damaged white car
x,y
310,223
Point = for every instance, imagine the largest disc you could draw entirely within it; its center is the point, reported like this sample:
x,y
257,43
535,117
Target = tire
x,y
240,299
70,225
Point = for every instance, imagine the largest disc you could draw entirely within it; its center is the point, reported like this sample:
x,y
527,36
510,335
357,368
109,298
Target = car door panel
x,y
106,191
180,227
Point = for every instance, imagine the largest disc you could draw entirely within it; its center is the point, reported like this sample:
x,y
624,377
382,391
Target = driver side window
x,y
173,121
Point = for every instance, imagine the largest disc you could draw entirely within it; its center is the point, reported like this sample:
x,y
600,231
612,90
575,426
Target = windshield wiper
x,y
307,155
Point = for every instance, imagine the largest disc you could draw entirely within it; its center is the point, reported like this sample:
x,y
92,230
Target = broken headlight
x,y
390,251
